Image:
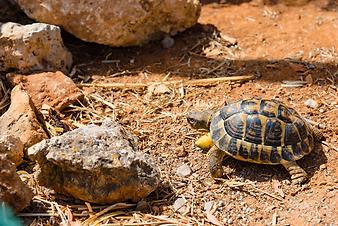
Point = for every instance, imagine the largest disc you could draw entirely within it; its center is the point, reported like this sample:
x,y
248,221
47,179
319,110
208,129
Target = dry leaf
x,y
277,187
212,219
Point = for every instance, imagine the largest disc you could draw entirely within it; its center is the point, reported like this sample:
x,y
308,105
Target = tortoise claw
x,y
298,175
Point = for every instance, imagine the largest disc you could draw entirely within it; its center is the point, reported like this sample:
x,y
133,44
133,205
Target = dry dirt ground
x,y
273,43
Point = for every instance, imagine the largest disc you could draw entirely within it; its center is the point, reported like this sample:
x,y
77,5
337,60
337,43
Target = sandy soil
x,y
273,43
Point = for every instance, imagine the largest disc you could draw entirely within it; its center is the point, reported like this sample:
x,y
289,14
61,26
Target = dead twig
x,y
197,82
109,208
235,184
329,145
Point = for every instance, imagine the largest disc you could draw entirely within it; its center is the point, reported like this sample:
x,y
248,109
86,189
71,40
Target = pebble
x,y
179,203
221,203
208,206
322,167
181,152
230,221
156,209
311,103
167,42
309,79
183,171
142,206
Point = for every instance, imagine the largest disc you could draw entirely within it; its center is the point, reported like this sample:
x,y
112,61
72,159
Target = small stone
x,y
183,171
156,209
230,221
179,203
208,206
167,42
322,167
157,90
311,103
221,203
309,79
297,67
142,206
181,152
229,39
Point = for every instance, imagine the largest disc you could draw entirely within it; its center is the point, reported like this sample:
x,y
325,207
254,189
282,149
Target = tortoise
x,y
260,131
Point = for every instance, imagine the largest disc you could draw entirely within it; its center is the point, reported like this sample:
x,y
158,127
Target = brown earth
x,y
273,43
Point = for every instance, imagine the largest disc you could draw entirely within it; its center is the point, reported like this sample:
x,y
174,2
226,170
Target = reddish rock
x,y
12,190
12,147
52,88
21,121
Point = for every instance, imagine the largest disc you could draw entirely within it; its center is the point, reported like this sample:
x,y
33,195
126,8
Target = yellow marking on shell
x,y
246,144
268,150
283,126
220,125
279,150
244,117
204,142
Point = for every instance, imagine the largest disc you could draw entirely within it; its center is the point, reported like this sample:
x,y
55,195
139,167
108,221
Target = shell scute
x,y
235,126
253,130
250,106
273,132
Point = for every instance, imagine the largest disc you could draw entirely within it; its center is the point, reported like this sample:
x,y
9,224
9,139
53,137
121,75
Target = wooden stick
x,y
329,145
197,82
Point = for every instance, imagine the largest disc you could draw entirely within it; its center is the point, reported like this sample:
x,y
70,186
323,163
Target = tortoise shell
x,y
261,131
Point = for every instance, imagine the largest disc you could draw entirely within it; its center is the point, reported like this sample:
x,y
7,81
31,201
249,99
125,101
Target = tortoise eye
x,y
191,120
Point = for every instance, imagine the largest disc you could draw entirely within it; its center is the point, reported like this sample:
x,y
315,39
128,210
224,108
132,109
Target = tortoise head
x,y
200,119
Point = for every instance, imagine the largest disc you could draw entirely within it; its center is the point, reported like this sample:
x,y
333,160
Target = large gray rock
x,y
98,164
117,22
21,119
12,190
34,47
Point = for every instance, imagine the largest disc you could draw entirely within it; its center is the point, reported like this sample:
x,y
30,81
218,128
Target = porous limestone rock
x,y
99,164
33,47
117,22
54,89
12,190
21,121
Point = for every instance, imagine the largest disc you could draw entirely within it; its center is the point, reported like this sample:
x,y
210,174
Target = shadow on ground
x,y
329,5
257,172
187,59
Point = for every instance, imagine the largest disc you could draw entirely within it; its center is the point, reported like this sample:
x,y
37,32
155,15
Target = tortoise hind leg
x,y
215,157
298,175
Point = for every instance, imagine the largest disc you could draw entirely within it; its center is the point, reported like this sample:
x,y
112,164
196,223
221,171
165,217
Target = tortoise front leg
x,y
298,175
215,157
